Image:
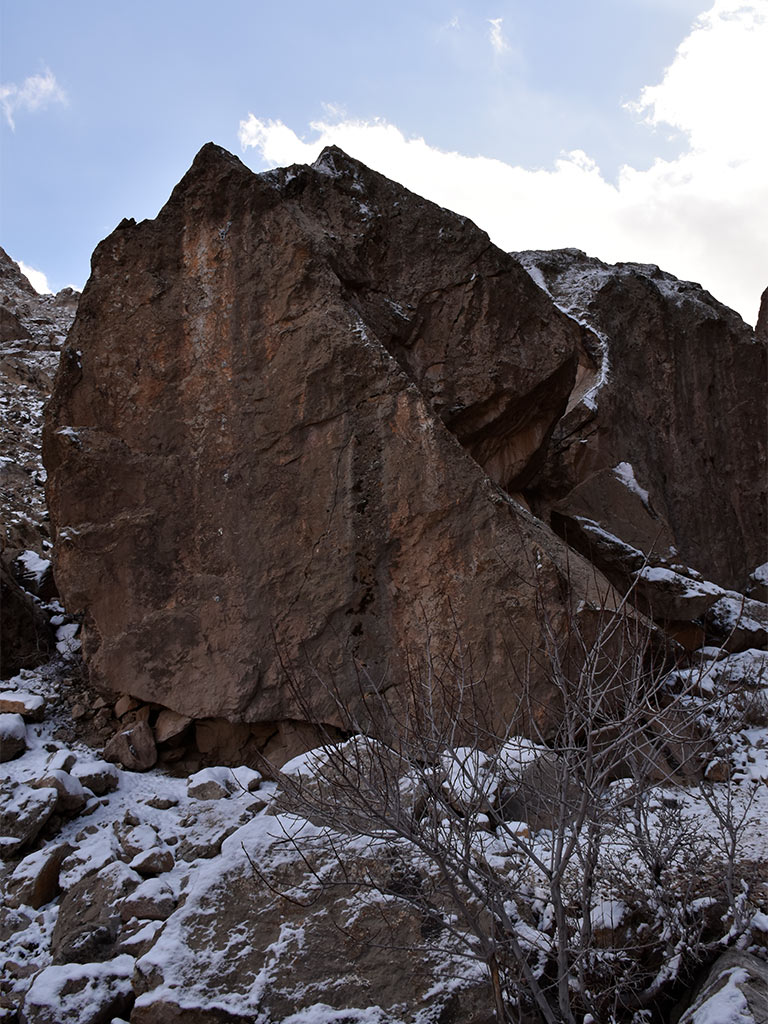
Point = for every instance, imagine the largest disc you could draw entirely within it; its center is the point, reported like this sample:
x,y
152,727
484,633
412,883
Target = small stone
x,y
153,862
78,711
139,840
61,761
169,725
162,803
89,830
124,705
153,900
247,779
200,848
718,770
98,776
211,784
134,748
13,737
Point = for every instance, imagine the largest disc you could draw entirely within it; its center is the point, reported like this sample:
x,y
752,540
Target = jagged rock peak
x,y
11,276
573,279
334,161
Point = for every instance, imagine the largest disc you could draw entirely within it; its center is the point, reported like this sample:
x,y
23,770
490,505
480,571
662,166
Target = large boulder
x,y
270,442
675,411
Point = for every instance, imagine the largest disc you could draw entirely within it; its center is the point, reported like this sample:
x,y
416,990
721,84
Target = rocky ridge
x,y
33,329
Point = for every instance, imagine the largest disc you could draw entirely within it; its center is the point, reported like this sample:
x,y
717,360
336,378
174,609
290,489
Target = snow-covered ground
x,y
144,866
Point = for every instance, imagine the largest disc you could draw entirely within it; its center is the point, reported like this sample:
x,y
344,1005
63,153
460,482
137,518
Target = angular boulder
x,y
276,442
91,993
133,748
23,813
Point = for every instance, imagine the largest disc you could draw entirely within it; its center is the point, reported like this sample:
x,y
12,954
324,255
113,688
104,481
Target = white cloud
x,y
36,278
34,93
498,40
703,216
716,89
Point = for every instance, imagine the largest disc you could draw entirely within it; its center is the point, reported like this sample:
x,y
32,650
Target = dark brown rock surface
x,y
252,445
761,327
677,409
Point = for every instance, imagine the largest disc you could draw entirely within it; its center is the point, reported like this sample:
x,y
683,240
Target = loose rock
x,y
31,706
134,748
13,737
35,880
91,993
70,798
98,776
88,923
23,813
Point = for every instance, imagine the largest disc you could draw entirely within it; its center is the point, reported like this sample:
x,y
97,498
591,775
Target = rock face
x,y
278,440
32,332
674,414
761,327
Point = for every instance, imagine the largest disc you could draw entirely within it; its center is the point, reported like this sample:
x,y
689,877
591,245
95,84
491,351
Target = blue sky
x,y
516,113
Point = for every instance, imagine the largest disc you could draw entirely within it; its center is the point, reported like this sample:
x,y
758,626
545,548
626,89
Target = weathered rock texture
x,y
674,414
295,416
269,439
295,952
32,332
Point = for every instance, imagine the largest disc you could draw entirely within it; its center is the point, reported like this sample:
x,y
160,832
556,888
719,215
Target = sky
x,y
632,129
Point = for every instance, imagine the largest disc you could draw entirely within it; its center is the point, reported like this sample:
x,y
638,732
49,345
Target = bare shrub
x,y
564,859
